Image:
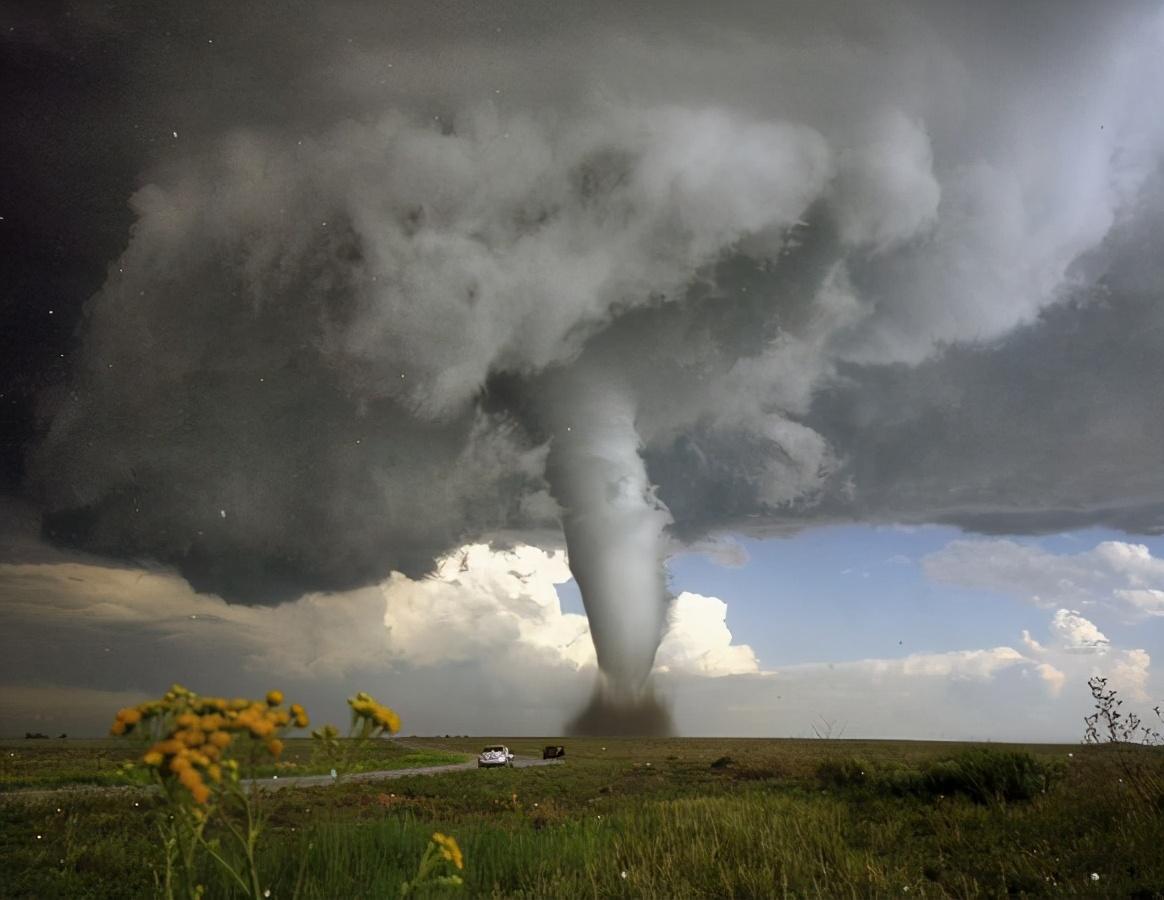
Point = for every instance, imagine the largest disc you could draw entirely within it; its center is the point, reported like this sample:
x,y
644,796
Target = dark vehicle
x,y
553,752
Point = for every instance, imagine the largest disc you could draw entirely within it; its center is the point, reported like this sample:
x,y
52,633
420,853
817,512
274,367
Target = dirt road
x,y
519,762
276,783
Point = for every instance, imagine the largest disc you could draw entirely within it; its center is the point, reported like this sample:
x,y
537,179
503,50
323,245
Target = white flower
x,y
623,874
1095,876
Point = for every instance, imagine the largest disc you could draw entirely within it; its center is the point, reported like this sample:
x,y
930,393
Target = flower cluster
x,y
449,849
442,851
194,734
373,715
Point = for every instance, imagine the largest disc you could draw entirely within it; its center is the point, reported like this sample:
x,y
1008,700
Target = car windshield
x,y
492,749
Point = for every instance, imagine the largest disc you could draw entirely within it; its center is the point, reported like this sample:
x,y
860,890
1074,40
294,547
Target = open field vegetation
x,y
636,817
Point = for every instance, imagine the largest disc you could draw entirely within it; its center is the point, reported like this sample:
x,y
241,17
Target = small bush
x,y
982,774
902,781
844,772
987,775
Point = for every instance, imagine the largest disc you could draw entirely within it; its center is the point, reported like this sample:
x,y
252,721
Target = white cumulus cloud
x,y
480,602
699,640
1054,678
1120,576
1131,673
1075,634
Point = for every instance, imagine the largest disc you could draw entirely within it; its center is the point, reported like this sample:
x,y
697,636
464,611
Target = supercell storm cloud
x,y
638,278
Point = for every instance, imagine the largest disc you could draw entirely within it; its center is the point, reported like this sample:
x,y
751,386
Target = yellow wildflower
x,y
449,849
192,738
275,747
362,708
153,758
386,718
274,698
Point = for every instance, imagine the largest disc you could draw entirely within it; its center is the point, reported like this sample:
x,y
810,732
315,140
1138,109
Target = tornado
x,y
613,524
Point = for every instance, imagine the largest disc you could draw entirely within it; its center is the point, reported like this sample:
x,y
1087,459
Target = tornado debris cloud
x,y
611,713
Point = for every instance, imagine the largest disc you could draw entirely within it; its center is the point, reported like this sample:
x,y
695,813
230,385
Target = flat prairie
x,y
624,817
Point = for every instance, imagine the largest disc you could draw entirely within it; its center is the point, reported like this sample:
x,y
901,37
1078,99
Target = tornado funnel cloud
x,y
614,536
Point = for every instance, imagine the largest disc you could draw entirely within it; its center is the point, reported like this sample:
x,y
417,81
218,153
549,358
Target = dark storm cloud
x,y
1059,425
386,246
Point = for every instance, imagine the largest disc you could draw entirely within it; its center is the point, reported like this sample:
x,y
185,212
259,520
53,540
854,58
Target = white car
x,y
491,757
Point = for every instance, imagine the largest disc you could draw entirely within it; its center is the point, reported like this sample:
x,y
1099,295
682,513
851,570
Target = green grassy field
x,y
630,818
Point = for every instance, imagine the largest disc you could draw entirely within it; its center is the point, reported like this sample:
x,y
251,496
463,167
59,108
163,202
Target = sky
x,y
748,370
860,631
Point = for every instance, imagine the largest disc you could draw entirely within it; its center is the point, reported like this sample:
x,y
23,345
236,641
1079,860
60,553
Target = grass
x,y
773,820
